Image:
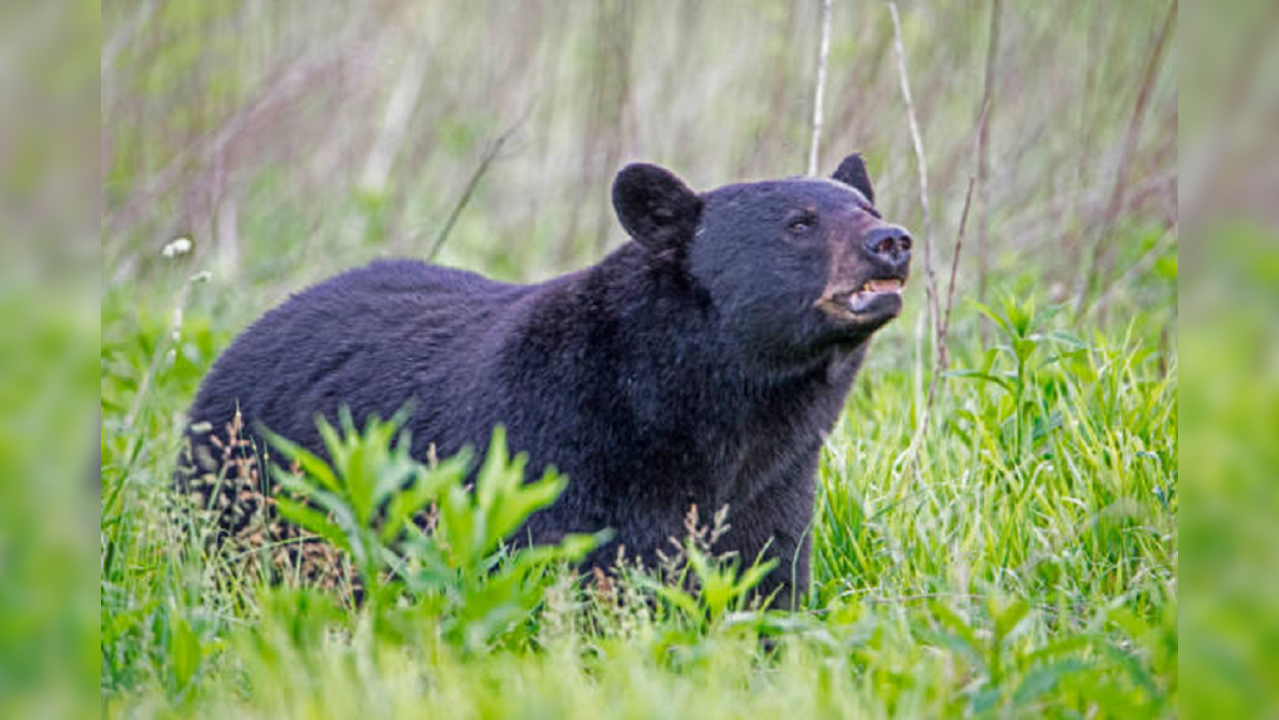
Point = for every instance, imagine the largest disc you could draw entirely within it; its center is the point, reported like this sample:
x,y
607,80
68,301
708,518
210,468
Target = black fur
x,y
692,366
852,172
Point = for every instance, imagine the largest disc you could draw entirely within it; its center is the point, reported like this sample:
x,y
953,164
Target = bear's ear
x,y
852,172
655,207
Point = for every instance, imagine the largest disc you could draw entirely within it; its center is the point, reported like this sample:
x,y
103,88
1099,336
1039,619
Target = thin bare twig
x,y
943,361
821,87
1098,265
921,160
911,453
489,155
907,459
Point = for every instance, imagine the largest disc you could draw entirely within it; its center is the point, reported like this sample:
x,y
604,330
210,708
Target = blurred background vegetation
x,y
48,356
289,139
1229,318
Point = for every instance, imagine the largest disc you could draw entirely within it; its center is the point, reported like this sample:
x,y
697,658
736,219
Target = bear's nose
x,y
890,244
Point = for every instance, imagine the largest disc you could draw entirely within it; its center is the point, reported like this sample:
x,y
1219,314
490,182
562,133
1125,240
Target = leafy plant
x,y
1023,331
706,588
372,500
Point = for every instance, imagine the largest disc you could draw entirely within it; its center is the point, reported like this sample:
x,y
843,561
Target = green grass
x,y
1023,562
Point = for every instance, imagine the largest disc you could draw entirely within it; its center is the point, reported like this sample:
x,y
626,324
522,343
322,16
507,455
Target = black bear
x,y
702,362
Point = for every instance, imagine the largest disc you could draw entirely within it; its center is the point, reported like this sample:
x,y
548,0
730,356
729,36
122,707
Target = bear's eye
x,y
801,223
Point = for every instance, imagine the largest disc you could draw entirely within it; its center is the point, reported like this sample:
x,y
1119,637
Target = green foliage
x,y
459,572
1019,326
720,588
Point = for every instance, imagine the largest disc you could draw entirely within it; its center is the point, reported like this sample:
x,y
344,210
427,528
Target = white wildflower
x,y
180,246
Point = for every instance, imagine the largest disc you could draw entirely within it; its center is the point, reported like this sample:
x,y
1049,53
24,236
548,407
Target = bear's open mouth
x,y
894,285
865,299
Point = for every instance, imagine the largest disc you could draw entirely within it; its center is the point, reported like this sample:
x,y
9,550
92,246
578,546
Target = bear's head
x,y
793,267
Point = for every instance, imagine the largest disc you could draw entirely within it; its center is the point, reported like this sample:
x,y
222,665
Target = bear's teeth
x,y
892,285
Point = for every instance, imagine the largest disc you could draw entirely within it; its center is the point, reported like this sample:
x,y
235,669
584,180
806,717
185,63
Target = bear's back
x,y
371,339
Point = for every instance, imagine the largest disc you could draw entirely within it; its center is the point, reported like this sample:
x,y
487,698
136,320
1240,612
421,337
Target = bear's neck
x,y
661,330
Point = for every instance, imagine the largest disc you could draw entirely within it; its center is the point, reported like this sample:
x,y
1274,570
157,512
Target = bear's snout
x,y
890,245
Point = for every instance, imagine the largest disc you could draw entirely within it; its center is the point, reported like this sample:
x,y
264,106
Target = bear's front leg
x,y
776,523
